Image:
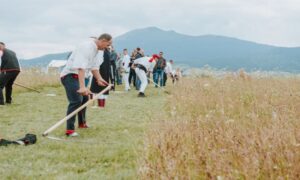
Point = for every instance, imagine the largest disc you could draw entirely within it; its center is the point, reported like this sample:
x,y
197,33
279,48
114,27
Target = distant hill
x,y
43,61
212,50
215,51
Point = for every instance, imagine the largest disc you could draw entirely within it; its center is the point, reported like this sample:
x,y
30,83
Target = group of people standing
x,y
94,60
161,70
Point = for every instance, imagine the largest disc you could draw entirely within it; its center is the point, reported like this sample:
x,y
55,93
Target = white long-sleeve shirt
x,y
168,68
86,56
125,63
146,63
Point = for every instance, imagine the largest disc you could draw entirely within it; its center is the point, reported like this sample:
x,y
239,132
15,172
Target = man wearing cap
x,y
9,70
84,58
142,66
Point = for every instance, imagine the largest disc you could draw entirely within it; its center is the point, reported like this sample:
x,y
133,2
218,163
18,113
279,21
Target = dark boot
x,y
141,94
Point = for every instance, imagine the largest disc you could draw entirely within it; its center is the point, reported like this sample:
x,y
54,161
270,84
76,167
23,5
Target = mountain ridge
x,y
213,50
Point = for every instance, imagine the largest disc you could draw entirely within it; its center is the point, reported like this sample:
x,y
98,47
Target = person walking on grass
x,y
9,70
84,58
158,71
142,66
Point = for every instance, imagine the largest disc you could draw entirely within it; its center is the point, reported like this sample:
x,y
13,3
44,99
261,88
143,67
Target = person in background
x,y
178,74
9,70
139,54
168,72
105,71
158,71
132,75
118,69
126,69
113,60
142,66
84,58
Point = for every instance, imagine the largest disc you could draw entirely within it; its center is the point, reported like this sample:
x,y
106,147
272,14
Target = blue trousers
x,y
71,85
158,75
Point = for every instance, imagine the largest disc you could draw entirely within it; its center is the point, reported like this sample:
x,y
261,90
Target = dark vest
x,y
9,61
105,73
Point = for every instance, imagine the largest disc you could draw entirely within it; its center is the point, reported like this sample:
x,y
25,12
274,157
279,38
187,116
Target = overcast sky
x,y
37,27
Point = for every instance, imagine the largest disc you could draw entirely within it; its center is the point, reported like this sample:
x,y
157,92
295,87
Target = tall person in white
x,y
126,69
83,59
142,66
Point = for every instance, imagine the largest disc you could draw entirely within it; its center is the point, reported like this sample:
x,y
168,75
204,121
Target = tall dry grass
x,y
35,78
230,128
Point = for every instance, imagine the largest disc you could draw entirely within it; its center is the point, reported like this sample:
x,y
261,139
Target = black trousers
x,y
6,81
165,79
113,73
82,113
71,85
132,76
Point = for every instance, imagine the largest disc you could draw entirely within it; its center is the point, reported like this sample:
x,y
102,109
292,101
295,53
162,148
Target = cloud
x,y
32,27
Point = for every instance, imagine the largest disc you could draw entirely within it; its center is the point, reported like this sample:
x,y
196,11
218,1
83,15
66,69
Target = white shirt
x,y
168,68
86,56
145,62
125,62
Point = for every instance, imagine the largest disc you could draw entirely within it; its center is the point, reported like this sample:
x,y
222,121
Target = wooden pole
x,y
26,87
75,112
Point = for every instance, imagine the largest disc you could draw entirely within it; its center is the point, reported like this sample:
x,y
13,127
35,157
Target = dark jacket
x,y
160,64
105,73
113,56
9,61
